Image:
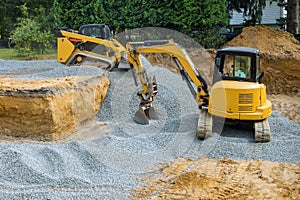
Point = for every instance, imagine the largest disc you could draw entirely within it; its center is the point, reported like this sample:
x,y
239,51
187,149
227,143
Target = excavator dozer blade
x,y
152,113
140,117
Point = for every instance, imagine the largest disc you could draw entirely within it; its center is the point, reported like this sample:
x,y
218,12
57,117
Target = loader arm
x,y
72,47
190,74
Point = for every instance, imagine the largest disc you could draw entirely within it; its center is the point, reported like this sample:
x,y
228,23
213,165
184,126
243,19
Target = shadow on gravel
x,y
238,129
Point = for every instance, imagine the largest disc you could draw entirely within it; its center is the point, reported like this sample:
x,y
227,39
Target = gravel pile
x,y
107,167
42,69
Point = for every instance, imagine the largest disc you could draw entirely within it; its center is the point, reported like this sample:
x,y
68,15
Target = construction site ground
x,y
111,157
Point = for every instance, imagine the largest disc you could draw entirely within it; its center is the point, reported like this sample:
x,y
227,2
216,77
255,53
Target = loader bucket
x,y
140,117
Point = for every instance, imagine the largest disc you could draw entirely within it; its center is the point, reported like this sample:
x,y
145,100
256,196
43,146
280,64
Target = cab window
x,y
237,66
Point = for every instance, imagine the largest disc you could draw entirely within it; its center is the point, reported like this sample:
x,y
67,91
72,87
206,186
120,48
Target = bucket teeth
x,y
146,112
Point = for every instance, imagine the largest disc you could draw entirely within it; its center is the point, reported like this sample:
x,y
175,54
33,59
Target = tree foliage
x,y
203,20
9,14
28,35
199,19
193,17
75,13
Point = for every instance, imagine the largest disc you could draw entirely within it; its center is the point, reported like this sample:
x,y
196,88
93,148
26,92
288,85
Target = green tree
x,y
73,14
28,37
203,20
200,19
9,13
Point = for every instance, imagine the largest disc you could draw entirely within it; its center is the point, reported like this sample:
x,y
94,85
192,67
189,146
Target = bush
x,y
28,37
210,37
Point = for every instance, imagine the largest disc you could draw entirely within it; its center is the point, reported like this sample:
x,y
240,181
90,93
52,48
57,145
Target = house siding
x,y
270,13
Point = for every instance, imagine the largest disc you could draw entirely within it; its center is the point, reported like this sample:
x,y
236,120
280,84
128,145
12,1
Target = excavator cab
x,y
239,64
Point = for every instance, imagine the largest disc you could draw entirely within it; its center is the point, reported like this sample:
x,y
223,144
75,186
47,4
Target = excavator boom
x,y
195,81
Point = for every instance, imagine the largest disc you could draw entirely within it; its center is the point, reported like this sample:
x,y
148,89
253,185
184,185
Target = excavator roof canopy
x,y
236,49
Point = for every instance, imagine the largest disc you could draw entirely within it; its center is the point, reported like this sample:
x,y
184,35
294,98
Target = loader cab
x,y
101,31
239,64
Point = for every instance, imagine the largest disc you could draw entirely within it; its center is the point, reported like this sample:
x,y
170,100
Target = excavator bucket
x,y
140,117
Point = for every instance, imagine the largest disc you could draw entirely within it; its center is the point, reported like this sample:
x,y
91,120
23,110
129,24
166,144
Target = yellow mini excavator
x,y
236,94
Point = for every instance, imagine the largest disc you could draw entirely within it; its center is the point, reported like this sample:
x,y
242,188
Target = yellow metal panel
x,y
64,49
263,94
113,44
239,100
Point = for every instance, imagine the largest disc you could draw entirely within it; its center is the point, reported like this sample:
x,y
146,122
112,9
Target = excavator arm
x,y
190,74
231,97
148,88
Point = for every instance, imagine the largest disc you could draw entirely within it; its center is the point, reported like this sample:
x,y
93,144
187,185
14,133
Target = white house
x,y
271,13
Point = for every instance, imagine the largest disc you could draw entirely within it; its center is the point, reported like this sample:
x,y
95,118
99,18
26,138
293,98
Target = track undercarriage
x,y
262,131
204,128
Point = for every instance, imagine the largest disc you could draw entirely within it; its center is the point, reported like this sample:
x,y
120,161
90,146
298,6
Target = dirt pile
x,y
288,106
47,109
224,179
280,58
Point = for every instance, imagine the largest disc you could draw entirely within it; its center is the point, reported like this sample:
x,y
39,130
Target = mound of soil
x,y
280,57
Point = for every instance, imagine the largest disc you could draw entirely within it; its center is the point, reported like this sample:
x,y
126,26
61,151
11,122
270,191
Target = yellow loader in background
x,y
91,41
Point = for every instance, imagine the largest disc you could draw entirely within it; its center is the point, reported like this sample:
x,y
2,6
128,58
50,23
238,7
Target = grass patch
x,y
12,54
